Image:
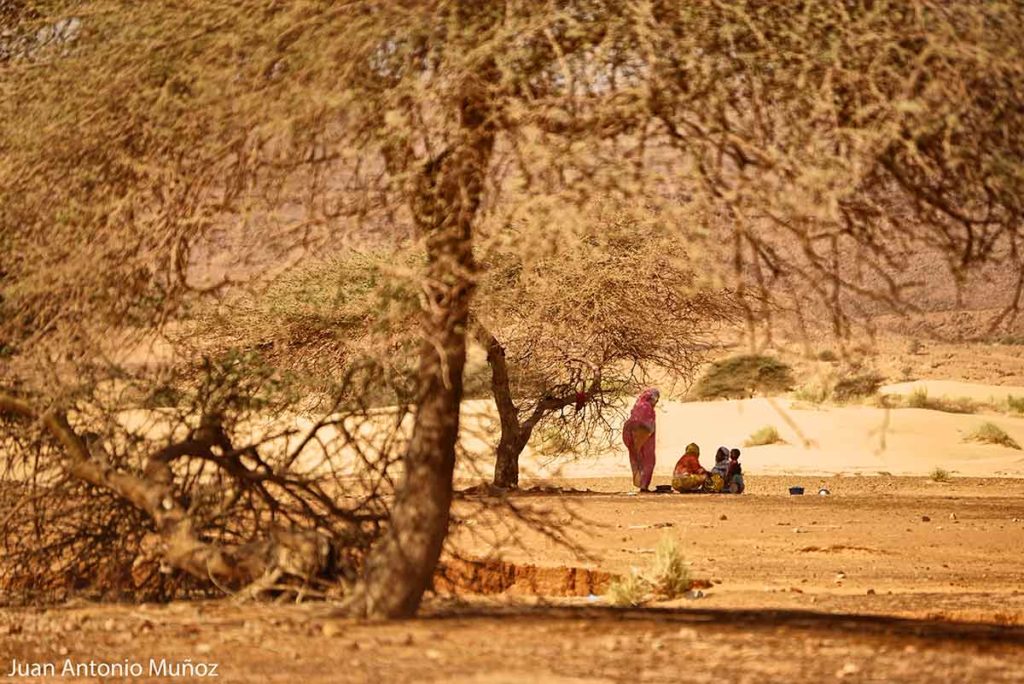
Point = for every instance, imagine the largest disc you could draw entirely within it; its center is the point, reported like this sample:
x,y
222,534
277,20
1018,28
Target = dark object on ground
x,y
663,489
795,491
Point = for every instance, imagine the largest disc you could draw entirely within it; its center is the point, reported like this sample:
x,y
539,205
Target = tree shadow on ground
x,y
837,624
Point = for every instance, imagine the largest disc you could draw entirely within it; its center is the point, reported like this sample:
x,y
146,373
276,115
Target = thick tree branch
x,y
234,565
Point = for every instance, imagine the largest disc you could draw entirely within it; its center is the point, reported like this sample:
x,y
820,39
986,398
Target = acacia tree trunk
x,y
401,566
515,434
506,464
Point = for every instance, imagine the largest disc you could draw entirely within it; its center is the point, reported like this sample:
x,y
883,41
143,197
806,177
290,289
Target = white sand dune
x,y
825,440
853,439
953,389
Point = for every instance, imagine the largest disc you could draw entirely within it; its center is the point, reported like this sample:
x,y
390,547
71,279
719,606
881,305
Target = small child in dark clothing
x,y
734,473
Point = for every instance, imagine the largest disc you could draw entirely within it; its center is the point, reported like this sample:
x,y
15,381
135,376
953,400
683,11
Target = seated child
x,y
734,473
716,480
688,475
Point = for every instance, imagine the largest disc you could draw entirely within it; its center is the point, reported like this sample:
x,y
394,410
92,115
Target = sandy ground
x,y
891,577
856,586
818,439
954,389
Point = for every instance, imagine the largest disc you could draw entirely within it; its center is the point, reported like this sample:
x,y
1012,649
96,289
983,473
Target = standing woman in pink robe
x,y
638,436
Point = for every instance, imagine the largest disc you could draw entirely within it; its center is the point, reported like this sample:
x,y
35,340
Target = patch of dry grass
x,y
630,591
766,435
990,433
666,578
919,399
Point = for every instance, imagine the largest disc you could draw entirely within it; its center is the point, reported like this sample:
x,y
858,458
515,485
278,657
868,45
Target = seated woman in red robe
x,y
688,475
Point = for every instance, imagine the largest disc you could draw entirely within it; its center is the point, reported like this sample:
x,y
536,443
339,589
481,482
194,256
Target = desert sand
x,y
890,577
887,579
818,439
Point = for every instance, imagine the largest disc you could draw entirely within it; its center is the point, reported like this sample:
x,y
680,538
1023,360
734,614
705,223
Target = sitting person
x,y
719,474
734,473
688,475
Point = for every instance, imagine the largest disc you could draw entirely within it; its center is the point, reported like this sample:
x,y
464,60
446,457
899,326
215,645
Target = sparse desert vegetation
x,y
742,376
919,399
990,433
630,590
857,386
840,387
1014,404
763,436
817,391
666,578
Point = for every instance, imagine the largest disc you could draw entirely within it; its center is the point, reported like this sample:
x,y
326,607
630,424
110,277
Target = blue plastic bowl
x,y
796,490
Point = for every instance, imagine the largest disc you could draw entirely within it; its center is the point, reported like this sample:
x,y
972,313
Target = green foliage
x,y
743,376
765,435
940,475
343,294
990,433
857,386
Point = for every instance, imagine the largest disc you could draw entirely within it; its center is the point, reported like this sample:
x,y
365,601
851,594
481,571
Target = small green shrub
x,y
738,377
990,433
940,475
766,435
631,590
857,386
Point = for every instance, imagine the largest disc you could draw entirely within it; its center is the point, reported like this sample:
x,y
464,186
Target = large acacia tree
x,y
153,152
615,303
567,334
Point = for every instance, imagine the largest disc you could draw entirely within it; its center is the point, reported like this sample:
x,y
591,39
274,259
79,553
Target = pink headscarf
x,y
643,409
